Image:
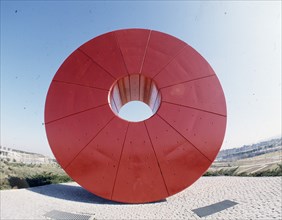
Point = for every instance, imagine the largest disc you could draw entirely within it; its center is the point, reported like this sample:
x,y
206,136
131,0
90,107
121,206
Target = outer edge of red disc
x,y
135,162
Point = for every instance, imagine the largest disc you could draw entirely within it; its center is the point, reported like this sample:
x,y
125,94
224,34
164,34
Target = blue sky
x,y
240,39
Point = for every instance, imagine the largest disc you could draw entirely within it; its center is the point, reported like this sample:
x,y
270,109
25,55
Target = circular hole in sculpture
x,y
135,111
134,98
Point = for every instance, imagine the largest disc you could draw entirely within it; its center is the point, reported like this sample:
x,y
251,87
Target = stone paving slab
x,y
257,198
214,208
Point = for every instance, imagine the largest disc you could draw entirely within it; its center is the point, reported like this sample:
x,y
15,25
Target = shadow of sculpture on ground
x,y
73,193
70,192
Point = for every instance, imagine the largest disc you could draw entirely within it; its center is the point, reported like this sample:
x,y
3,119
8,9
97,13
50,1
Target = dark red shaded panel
x,y
187,65
204,130
96,166
145,89
105,51
139,178
68,136
124,90
65,99
180,162
133,43
134,87
162,48
79,69
205,94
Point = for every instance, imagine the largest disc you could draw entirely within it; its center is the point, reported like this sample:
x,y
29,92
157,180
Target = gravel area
x,y
257,198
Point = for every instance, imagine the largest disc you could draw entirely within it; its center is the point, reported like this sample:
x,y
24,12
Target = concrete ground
x,y
257,198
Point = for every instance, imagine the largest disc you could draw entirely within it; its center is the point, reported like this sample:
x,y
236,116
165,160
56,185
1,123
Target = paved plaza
x,y
248,197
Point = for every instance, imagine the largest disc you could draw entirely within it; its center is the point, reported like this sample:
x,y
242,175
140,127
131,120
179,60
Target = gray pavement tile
x,y
214,208
59,215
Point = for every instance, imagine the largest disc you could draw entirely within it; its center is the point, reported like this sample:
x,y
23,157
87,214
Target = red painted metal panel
x,y
105,51
71,134
66,99
187,65
128,161
79,68
204,94
145,89
76,64
204,130
181,164
133,43
95,168
139,178
162,48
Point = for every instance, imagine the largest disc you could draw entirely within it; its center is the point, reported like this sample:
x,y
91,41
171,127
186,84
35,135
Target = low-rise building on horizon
x,y
19,156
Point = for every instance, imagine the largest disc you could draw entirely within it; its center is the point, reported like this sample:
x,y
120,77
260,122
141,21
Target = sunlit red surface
x,y
135,162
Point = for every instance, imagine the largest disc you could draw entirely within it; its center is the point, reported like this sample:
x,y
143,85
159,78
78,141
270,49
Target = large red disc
x,y
135,162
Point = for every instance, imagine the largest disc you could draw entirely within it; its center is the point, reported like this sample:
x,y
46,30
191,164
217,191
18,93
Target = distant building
x,y
19,156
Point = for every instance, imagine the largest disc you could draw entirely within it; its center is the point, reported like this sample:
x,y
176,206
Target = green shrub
x,y
61,179
16,182
222,172
4,183
276,172
39,179
242,174
36,180
209,173
232,172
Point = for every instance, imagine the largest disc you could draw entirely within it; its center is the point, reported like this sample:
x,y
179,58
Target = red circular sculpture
x,y
135,162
